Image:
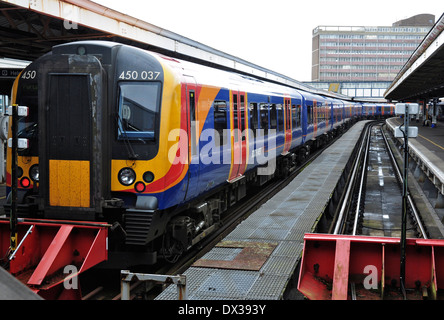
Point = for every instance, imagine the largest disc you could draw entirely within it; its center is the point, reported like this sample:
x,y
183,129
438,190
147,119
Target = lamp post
x,y
405,109
16,112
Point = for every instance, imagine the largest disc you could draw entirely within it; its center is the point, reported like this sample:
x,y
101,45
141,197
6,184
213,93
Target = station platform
x,y
432,139
258,258
427,150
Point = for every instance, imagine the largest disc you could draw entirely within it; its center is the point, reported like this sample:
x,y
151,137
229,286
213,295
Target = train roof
x,y
224,78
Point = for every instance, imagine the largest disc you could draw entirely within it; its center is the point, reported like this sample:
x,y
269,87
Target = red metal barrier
x,y
47,247
345,267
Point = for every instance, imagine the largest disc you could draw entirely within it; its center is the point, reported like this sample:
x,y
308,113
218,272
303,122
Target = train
x,y
157,147
378,110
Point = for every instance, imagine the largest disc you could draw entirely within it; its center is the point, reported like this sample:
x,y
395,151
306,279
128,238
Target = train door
x,y
73,158
193,138
328,115
331,114
238,116
244,132
315,118
306,121
287,125
69,130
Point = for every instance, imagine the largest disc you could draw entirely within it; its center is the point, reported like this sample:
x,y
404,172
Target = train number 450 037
x,y
135,75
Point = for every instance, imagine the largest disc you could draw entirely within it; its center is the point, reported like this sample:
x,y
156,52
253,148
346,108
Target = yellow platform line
x,y
431,142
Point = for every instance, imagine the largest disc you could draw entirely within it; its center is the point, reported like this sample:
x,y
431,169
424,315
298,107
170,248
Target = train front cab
x,y
83,151
65,161
66,131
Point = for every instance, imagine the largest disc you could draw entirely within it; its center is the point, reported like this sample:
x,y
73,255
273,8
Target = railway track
x,y
372,202
366,233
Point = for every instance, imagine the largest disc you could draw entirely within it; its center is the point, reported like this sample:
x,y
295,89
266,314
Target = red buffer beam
x,y
52,253
337,267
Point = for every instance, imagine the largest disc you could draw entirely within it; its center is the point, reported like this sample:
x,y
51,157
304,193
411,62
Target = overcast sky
x,y
275,34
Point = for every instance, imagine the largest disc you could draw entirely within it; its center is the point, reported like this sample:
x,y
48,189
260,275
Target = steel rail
x,y
347,198
361,185
341,220
398,173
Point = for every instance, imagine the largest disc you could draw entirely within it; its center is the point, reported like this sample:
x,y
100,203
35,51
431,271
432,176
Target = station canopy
x,y
422,77
27,34
29,29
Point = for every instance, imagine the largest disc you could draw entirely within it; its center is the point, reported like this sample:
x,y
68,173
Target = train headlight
x,y
127,176
34,173
148,177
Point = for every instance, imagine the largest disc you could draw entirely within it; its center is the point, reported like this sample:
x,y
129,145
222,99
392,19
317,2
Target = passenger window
x,y
294,116
299,115
242,111
288,115
253,116
138,110
192,106
309,114
194,134
280,112
236,117
220,121
319,112
264,117
273,117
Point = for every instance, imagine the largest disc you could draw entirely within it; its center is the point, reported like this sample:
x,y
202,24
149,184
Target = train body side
x,y
296,117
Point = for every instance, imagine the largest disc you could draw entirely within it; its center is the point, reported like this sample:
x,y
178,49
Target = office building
x,y
362,61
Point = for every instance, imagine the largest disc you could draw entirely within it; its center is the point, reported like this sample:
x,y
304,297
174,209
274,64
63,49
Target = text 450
x,y
135,75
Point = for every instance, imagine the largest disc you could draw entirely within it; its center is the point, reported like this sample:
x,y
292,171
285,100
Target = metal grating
x,y
240,233
194,280
252,256
283,219
288,248
269,234
268,287
253,222
280,265
278,222
226,284
226,254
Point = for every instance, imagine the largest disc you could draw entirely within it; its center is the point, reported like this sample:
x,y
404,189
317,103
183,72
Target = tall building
x,y
362,61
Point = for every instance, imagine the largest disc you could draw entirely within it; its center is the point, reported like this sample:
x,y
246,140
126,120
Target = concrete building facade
x,y
364,60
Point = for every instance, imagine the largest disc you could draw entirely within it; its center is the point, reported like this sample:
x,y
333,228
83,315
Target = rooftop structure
x,y
347,53
362,61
